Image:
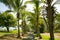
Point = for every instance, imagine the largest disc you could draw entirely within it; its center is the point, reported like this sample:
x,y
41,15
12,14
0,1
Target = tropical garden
x,y
41,23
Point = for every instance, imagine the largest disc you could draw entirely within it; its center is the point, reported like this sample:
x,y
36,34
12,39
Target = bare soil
x,y
57,35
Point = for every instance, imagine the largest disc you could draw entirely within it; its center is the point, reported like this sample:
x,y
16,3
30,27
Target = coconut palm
x,y
23,17
16,6
50,17
37,12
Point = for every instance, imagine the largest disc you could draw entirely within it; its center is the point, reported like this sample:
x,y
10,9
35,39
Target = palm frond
x,y
4,1
57,2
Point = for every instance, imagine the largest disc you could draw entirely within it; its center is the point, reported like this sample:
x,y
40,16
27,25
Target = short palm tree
x,y
23,17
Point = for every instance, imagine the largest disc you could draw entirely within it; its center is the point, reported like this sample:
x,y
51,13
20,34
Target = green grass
x,y
15,31
44,37
11,32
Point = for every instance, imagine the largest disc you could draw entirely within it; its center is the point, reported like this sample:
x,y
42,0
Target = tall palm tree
x,y
37,12
50,17
16,6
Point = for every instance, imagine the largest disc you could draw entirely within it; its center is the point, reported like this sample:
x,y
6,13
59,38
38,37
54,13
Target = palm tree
x,y
50,17
16,6
37,12
23,17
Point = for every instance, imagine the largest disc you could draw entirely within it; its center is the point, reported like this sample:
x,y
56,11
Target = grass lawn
x,y
11,32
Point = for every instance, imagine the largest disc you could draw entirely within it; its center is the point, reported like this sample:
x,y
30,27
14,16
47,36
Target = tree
x,y
16,6
23,17
50,17
7,20
37,12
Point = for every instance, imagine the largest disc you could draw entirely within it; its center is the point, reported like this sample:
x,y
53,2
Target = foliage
x,y
16,5
57,23
7,20
35,21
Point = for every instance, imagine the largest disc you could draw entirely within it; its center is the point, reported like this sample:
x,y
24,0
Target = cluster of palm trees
x,y
16,5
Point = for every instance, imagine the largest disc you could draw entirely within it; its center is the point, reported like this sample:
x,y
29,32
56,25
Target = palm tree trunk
x,y
24,27
50,16
51,28
18,25
18,30
37,21
38,31
51,32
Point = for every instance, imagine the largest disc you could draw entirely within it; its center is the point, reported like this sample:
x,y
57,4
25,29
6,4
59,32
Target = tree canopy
x,y
7,19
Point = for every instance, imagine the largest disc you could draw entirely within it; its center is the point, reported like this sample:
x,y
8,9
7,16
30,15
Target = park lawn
x,y
15,31
11,32
4,33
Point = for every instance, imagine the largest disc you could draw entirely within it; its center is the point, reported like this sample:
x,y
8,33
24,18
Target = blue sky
x,y
3,7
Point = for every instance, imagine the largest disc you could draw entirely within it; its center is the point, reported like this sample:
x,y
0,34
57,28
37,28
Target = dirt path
x,y
55,34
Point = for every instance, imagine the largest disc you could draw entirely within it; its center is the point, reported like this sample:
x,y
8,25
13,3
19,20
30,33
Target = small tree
x,y
7,20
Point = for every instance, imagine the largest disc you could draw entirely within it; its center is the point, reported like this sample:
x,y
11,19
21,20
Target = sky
x,y
29,7
3,7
